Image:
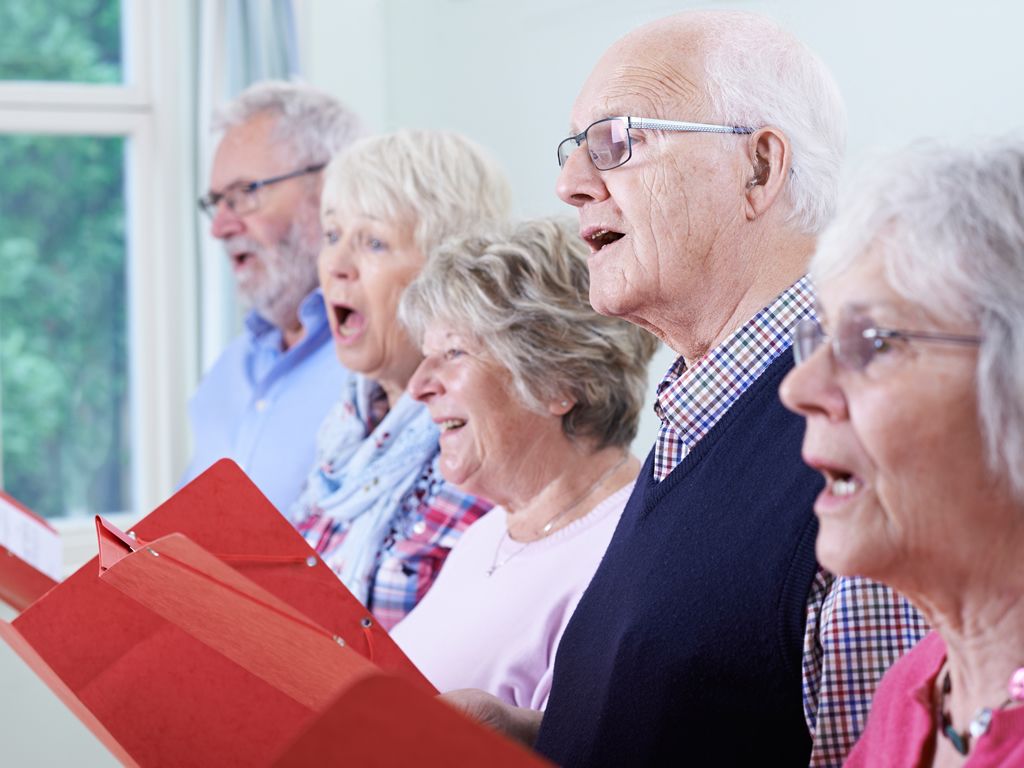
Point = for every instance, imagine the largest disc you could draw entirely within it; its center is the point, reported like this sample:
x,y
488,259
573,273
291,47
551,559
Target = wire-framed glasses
x,y
243,198
610,145
858,339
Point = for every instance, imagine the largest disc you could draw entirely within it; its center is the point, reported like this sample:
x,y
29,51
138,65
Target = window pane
x,y
71,40
63,289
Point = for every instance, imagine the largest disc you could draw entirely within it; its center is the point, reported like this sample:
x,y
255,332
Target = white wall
x,y
506,73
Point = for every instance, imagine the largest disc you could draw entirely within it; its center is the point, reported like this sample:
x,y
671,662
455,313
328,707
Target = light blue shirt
x,y
262,406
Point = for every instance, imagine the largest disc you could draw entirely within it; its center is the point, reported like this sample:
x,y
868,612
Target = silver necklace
x,y
979,725
546,528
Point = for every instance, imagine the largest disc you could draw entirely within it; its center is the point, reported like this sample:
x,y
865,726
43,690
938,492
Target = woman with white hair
x,y
375,506
538,398
914,399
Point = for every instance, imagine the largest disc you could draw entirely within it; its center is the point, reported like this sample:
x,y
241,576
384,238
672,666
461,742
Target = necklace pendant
x,y
979,725
958,741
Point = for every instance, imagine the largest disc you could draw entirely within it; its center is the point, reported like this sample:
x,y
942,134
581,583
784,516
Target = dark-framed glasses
x,y
610,145
244,197
858,339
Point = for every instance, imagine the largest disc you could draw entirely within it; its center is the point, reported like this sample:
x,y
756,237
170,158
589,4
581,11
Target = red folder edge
x,y
190,588
383,721
21,583
45,673
113,544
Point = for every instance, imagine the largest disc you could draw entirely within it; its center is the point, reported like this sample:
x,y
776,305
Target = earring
x,y
565,403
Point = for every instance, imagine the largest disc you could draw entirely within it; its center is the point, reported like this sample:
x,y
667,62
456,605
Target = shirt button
x,y
262,405
419,528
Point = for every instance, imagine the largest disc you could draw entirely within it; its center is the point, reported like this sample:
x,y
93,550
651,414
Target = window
x,y
97,326
62,40
63,328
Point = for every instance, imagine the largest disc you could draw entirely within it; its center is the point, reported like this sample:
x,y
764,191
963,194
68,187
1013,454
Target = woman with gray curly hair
x,y
914,399
375,506
537,397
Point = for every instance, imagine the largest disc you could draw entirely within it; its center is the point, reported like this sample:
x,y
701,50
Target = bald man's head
x,y
671,226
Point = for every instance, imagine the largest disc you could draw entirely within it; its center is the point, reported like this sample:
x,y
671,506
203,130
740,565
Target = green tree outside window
x,y
63,293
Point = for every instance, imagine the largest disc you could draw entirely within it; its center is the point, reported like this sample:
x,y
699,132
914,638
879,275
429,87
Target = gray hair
x,y
759,74
312,126
439,182
524,296
948,223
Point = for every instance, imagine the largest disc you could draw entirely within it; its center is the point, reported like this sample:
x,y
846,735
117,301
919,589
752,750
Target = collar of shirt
x,y
265,338
691,399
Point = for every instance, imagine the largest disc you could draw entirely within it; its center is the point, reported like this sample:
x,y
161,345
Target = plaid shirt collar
x,y
692,399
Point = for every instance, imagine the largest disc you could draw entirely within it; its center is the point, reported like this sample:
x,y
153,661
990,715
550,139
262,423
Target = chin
x,y
834,560
609,300
461,476
355,362
848,555
451,471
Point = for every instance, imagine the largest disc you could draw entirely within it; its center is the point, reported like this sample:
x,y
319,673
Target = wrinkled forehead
x,y
645,80
862,286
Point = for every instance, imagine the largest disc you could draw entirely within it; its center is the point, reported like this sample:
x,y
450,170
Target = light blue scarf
x,y
361,480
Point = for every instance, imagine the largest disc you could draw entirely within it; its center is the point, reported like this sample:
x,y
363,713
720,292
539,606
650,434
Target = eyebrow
x,y
574,132
884,312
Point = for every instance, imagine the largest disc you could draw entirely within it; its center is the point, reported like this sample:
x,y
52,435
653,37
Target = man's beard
x,y
283,274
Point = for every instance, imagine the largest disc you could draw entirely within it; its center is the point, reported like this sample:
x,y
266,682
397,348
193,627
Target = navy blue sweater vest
x,y
686,647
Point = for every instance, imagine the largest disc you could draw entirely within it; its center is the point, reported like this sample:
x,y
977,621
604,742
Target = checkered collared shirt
x,y
426,525
855,628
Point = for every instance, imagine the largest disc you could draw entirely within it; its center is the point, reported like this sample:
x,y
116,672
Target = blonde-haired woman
x,y
375,506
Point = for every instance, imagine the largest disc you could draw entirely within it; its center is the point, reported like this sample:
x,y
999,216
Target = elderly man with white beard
x,y
263,400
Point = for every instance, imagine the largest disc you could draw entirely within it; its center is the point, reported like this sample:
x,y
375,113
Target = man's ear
x,y
770,158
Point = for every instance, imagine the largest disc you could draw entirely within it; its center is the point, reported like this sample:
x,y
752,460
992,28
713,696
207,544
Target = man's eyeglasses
x,y
243,198
857,339
610,145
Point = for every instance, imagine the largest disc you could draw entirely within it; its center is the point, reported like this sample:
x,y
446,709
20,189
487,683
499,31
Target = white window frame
x,y
153,110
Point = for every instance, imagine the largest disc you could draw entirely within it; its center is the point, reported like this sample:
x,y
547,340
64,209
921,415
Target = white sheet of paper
x,y
31,539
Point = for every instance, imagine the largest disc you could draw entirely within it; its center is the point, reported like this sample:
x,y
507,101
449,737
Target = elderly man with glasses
x,y
264,399
704,158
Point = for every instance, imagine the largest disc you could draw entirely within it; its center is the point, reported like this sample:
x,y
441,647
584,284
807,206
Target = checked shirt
x,y
855,628
427,523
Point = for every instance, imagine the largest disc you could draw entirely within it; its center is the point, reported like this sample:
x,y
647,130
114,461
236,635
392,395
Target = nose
x,y
579,181
336,262
424,385
225,222
811,388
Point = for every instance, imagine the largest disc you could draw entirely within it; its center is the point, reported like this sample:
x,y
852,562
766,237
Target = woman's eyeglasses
x,y
857,339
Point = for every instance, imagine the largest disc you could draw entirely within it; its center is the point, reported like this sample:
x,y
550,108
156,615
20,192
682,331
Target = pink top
x,y
901,729
499,632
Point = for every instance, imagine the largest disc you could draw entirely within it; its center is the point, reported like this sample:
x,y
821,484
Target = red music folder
x,y
30,554
360,716
219,687
382,722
